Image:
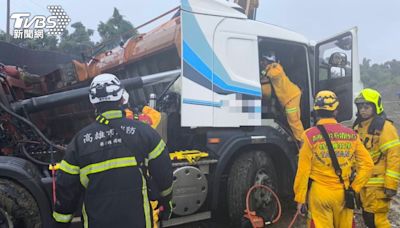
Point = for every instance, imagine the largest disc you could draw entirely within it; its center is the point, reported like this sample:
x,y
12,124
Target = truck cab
x,y
220,82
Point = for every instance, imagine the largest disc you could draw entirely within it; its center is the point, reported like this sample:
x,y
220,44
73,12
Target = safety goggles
x,y
363,106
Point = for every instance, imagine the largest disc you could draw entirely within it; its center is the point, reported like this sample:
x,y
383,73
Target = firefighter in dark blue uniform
x,y
116,165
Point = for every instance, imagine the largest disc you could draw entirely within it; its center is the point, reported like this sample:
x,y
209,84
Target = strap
x,y
376,126
332,153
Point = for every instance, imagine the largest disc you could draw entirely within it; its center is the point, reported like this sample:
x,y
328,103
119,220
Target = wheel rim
x,y
5,219
262,201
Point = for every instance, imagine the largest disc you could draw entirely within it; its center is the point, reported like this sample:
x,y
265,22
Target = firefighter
x,y
380,138
148,114
105,164
273,78
316,178
265,82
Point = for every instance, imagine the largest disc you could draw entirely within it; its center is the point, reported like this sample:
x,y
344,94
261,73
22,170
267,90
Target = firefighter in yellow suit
x,y
287,92
325,194
380,138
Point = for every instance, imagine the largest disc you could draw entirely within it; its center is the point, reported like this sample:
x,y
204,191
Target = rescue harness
x,y
374,129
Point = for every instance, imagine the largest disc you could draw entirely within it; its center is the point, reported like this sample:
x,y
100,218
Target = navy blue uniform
x,y
104,168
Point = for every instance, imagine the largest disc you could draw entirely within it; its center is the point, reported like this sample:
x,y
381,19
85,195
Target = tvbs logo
x,y
27,27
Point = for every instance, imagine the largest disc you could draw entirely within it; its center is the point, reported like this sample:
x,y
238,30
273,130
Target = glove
x,y
264,80
390,192
165,210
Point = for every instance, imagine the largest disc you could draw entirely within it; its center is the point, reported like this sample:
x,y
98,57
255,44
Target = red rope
x,y
293,220
273,193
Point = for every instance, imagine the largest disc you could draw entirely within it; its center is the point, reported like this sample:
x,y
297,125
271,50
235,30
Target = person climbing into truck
x,y
274,79
328,156
105,163
379,136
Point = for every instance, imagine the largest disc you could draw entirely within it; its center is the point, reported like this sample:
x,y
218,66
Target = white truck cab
x,y
221,52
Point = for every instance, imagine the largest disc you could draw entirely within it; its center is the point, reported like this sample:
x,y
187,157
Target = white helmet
x,y
105,87
269,55
125,97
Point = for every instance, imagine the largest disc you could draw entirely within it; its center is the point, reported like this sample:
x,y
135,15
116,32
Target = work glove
x,y
390,192
165,209
264,80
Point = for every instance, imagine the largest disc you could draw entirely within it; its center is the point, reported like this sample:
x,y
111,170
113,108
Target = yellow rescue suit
x,y
148,115
384,148
326,196
288,95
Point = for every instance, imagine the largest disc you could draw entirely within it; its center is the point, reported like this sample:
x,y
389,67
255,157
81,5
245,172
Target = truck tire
x,y
250,168
18,209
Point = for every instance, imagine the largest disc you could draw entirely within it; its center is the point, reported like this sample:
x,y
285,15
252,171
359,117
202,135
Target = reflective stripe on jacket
x,y
103,168
384,148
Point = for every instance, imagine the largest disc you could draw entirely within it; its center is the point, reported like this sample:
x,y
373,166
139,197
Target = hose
x,y
29,123
272,192
34,160
294,219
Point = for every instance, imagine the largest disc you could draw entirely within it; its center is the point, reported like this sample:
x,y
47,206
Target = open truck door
x,y
337,69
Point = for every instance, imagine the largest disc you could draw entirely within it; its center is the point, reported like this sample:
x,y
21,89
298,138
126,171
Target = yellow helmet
x,y
370,96
326,100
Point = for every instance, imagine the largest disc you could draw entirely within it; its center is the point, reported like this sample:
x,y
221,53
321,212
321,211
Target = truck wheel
x,y
17,207
251,168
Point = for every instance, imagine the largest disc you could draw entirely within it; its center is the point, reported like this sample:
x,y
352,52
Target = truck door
x,y
337,69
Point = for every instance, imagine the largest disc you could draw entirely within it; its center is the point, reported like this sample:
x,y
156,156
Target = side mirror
x,y
338,59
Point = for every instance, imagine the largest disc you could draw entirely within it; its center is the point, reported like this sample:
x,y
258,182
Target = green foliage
x,y
79,42
115,30
47,43
76,42
3,35
378,75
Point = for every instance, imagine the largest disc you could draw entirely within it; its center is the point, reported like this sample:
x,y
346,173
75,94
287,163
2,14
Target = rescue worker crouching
x,y
105,163
326,195
380,138
274,79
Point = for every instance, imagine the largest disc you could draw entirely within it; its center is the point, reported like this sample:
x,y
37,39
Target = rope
x,y
294,219
273,193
